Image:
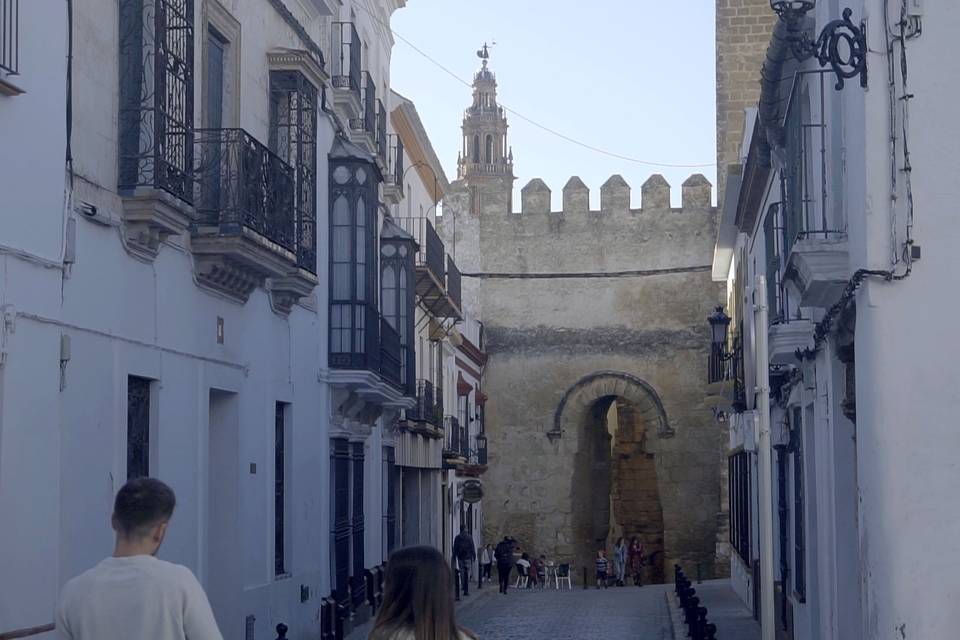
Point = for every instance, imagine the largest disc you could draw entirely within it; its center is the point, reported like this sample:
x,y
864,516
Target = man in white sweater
x,y
133,594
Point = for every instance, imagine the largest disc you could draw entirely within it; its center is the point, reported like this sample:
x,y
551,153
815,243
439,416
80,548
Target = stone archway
x,y
618,420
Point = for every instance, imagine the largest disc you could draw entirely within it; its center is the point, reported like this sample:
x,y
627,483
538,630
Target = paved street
x,y
615,613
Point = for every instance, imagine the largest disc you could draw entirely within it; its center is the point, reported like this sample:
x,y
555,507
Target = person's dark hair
x,y
142,504
619,541
525,556
418,598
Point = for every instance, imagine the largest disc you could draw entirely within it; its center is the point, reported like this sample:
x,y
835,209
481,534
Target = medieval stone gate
x,y
595,326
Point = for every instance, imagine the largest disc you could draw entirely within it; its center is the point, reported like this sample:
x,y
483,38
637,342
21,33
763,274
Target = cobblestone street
x,y
615,613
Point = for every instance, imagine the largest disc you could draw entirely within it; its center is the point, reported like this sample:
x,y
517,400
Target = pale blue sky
x,y
633,77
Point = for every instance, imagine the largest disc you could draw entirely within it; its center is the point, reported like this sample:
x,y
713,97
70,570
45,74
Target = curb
x,y
676,618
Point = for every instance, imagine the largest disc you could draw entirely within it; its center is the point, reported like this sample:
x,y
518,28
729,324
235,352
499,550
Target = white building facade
x,y
841,203
192,239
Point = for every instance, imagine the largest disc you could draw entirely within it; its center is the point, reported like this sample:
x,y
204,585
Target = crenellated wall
x,y
570,295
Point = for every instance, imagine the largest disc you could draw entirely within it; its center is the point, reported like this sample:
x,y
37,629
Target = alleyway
x,y
570,615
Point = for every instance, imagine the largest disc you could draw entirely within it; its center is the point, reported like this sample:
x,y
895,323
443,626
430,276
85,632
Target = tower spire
x,y
485,149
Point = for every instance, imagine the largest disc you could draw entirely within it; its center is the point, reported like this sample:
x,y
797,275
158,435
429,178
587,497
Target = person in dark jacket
x,y
504,557
465,553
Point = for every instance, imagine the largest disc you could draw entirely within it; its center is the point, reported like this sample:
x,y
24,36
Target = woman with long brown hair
x,y
418,599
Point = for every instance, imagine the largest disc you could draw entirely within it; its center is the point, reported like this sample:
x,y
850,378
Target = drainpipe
x,y
764,451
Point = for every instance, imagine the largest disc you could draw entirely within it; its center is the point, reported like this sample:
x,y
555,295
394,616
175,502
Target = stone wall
x,y
640,334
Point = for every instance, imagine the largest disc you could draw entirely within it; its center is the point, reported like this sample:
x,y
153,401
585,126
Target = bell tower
x,y
485,163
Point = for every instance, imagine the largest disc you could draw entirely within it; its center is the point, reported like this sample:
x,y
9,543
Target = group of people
x,y
627,560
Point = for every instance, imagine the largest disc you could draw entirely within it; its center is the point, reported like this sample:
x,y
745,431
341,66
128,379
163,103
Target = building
x,y
593,415
195,259
843,177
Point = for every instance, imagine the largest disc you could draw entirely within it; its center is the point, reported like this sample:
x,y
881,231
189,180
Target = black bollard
x,y
699,579
281,631
711,633
479,576
456,580
585,578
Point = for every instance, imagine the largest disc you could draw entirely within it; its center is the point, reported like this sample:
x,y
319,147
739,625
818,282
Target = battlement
x,y
696,195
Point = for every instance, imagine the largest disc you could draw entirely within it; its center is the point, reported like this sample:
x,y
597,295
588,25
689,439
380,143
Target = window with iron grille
x,y
357,524
354,319
390,477
156,96
293,137
279,489
340,517
799,575
783,529
773,237
138,427
9,37
739,497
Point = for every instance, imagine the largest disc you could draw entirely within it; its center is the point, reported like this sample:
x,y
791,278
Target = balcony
x,y
155,148
9,46
725,381
454,293
247,228
432,279
455,449
345,72
426,416
382,149
365,360
393,176
363,127
819,267
786,337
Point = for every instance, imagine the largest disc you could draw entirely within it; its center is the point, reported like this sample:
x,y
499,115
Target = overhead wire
x,y
531,121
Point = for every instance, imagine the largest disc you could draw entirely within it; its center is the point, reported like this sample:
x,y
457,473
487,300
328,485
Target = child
x,y
602,565
541,565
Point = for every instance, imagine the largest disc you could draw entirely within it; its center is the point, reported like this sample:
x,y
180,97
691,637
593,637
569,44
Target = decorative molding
x,y
150,216
300,61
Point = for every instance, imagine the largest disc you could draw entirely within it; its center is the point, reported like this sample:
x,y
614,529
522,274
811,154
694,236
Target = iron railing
x,y
367,120
727,366
773,232
452,435
431,250
429,407
381,131
241,183
805,130
156,97
346,57
453,282
394,160
362,349
10,36
739,496
390,353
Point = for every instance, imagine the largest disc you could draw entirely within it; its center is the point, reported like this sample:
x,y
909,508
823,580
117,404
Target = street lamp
x,y
719,326
841,44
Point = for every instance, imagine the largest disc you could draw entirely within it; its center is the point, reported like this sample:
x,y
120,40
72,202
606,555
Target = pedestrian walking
x,y
418,599
635,559
133,594
486,562
464,553
602,567
503,554
620,560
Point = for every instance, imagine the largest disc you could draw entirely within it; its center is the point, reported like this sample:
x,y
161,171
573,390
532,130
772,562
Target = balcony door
x,y
213,81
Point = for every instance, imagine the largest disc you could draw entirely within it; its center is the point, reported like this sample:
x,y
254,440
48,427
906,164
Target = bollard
x,y
479,576
699,579
326,619
584,577
456,587
711,633
282,631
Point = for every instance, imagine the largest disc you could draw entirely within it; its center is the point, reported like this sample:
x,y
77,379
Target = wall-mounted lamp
x,y
841,44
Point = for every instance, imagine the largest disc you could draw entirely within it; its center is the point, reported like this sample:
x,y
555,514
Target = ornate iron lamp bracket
x,y
842,45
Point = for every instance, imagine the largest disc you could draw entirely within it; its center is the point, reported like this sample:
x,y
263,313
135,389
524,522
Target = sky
x,y
630,77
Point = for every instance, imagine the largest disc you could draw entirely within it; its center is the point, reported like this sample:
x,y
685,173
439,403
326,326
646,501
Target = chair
x,y
563,574
523,577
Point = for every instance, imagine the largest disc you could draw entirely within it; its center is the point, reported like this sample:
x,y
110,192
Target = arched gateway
x,y
618,419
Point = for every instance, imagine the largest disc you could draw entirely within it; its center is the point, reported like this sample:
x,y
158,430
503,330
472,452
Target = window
x,y
357,524
293,130
138,427
476,149
156,96
397,302
216,55
799,576
279,488
783,530
9,37
390,475
340,517
354,324
739,472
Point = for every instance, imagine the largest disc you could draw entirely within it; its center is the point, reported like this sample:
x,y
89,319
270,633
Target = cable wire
x,y
531,121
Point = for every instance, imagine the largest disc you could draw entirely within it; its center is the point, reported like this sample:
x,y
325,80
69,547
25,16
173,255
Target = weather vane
x,y
484,53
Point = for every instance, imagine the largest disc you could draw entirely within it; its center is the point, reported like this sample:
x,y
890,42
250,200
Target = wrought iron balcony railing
x,y
453,282
381,131
394,160
242,184
429,407
156,97
453,436
346,57
431,250
390,353
367,120
9,36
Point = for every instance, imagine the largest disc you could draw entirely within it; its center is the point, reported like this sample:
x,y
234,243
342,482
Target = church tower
x,y
485,163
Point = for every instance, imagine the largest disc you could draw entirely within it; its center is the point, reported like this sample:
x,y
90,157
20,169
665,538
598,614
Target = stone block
x,y
576,196
696,192
615,195
655,193
535,197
